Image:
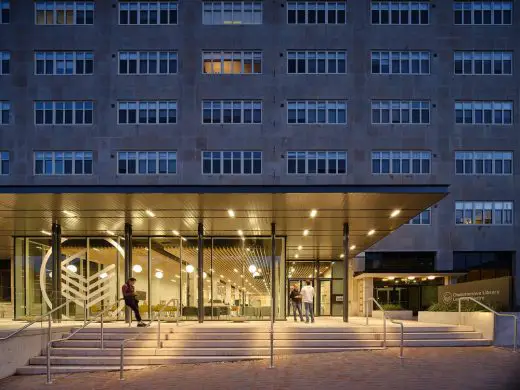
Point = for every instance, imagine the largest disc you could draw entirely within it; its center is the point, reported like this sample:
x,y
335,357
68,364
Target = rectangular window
x,y
232,62
62,63
317,163
231,163
232,12
5,164
400,62
316,62
147,112
390,162
148,12
231,111
147,163
400,12
483,163
5,113
483,213
317,112
316,12
63,163
484,113
483,12
5,11
400,112
5,62
64,12
483,62
63,112
424,218
148,62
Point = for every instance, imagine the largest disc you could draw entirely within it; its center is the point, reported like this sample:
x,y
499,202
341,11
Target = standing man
x,y
131,301
296,300
307,294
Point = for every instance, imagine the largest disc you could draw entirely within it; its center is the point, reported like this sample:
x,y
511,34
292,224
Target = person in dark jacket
x,y
131,301
296,300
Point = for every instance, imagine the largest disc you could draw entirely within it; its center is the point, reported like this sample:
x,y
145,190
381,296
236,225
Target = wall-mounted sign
x,y
497,292
338,298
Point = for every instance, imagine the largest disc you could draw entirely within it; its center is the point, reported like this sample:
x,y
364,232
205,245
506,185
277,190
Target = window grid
x,y
5,11
147,112
424,218
231,111
147,163
232,62
232,12
483,12
399,112
63,112
483,163
317,162
401,62
59,63
317,112
483,213
64,12
483,62
484,112
316,12
5,62
63,163
148,12
5,164
231,163
148,62
400,12
390,162
317,62
5,113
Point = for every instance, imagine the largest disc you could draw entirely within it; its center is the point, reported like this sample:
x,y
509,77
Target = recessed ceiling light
x,y
431,277
411,277
352,247
137,268
300,247
249,249
222,276
395,213
306,232
235,270
342,256
184,239
296,255
150,213
240,232
110,232
231,213
175,232
314,212
46,233
371,232
68,213
391,277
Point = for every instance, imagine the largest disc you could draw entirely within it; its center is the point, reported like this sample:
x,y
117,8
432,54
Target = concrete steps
x,y
215,342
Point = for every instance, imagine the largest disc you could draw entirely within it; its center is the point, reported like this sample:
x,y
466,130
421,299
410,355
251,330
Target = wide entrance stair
x,y
233,342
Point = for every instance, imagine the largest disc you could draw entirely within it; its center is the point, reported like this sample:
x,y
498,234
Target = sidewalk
x,y
422,368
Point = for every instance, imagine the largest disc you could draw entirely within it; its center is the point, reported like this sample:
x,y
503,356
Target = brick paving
x,y
422,369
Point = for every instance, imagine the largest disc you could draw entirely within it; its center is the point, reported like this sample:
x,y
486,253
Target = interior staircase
x,y
231,342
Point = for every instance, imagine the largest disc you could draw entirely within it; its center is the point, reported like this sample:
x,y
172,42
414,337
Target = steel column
x,y
345,271
273,271
200,271
56,269
128,263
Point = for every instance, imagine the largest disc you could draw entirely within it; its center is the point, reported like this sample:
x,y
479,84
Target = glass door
x,y
325,301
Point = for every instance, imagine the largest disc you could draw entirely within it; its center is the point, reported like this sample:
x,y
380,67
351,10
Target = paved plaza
x,y
422,368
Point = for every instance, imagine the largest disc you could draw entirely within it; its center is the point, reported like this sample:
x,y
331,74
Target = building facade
x,y
263,93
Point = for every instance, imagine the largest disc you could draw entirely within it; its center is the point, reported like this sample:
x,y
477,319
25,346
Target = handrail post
x,y
460,311
515,335
49,379
102,333
159,330
121,364
85,312
402,341
366,312
384,330
50,329
271,335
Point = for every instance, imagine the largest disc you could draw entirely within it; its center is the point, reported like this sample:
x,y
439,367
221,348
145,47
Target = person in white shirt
x,y
307,294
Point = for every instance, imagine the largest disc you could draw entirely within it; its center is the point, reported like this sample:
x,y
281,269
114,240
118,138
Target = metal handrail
x,y
99,315
515,317
40,318
158,317
122,348
386,317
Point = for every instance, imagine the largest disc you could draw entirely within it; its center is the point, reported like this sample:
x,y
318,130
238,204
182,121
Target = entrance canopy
x,y
311,217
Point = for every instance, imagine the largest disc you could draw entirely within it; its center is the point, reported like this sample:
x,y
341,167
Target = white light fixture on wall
x,y
190,268
137,268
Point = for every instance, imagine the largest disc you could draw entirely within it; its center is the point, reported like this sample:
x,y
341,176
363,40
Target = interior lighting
x,y
190,268
150,213
300,247
296,255
431,277
352,247
69,213
395,213
175,232
104,275
204,275
411,277
306,232
391,277
46,233
110,232
252,268
72,268
159,274
240,232
314,212
231,213
137,268
371,232
342,256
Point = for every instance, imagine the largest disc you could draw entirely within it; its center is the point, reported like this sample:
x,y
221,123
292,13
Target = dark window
x,y
400,261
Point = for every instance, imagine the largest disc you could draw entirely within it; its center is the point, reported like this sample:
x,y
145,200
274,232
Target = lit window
x,y
484,112
390,162
483,213
147,163
232,12
148,12
147,112
317,112
64,12
228,62
63,163
231,163
317,163
399,112
60,63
